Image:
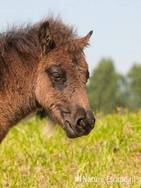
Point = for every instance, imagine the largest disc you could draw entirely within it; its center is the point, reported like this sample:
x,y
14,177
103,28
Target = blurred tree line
x,y
108,89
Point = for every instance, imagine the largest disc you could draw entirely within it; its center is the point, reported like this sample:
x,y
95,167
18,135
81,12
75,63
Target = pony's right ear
x,y
45,38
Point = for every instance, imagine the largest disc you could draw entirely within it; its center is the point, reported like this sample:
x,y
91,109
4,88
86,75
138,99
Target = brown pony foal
x,y
43,66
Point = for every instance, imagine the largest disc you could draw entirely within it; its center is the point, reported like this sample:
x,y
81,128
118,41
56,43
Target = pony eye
x,y
56,76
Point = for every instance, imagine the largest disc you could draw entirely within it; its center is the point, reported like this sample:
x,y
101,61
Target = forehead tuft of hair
x,y
24,39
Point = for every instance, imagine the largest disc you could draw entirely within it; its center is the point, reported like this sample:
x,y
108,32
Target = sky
x,y
116,25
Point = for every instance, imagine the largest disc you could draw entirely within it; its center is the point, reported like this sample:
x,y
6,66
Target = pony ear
x,y
45,38
78,44
84,41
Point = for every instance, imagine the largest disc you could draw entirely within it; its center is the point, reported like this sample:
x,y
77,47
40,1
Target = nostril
x,y
80,125
81,122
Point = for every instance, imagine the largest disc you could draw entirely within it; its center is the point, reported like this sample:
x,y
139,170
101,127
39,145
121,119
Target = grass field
x,y
109,157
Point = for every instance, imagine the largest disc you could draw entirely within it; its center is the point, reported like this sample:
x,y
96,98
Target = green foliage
x,y
122,94
134,79
103,87
108,89
31,159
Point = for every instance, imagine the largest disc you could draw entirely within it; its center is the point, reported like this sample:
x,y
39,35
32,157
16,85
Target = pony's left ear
x,y
84,41
45,38
78,44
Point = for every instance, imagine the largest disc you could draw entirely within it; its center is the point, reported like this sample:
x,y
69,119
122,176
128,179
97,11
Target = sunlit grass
x,y
29,158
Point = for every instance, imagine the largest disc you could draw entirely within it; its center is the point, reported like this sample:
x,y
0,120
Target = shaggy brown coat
x,y
26,54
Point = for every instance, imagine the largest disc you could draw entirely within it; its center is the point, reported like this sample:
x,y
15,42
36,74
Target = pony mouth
x,y
71,132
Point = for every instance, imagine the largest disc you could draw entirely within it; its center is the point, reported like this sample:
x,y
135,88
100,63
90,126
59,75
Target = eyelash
x,y
56,76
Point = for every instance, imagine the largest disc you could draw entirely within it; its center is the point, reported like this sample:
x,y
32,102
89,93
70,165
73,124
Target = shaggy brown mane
x,y
25,39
